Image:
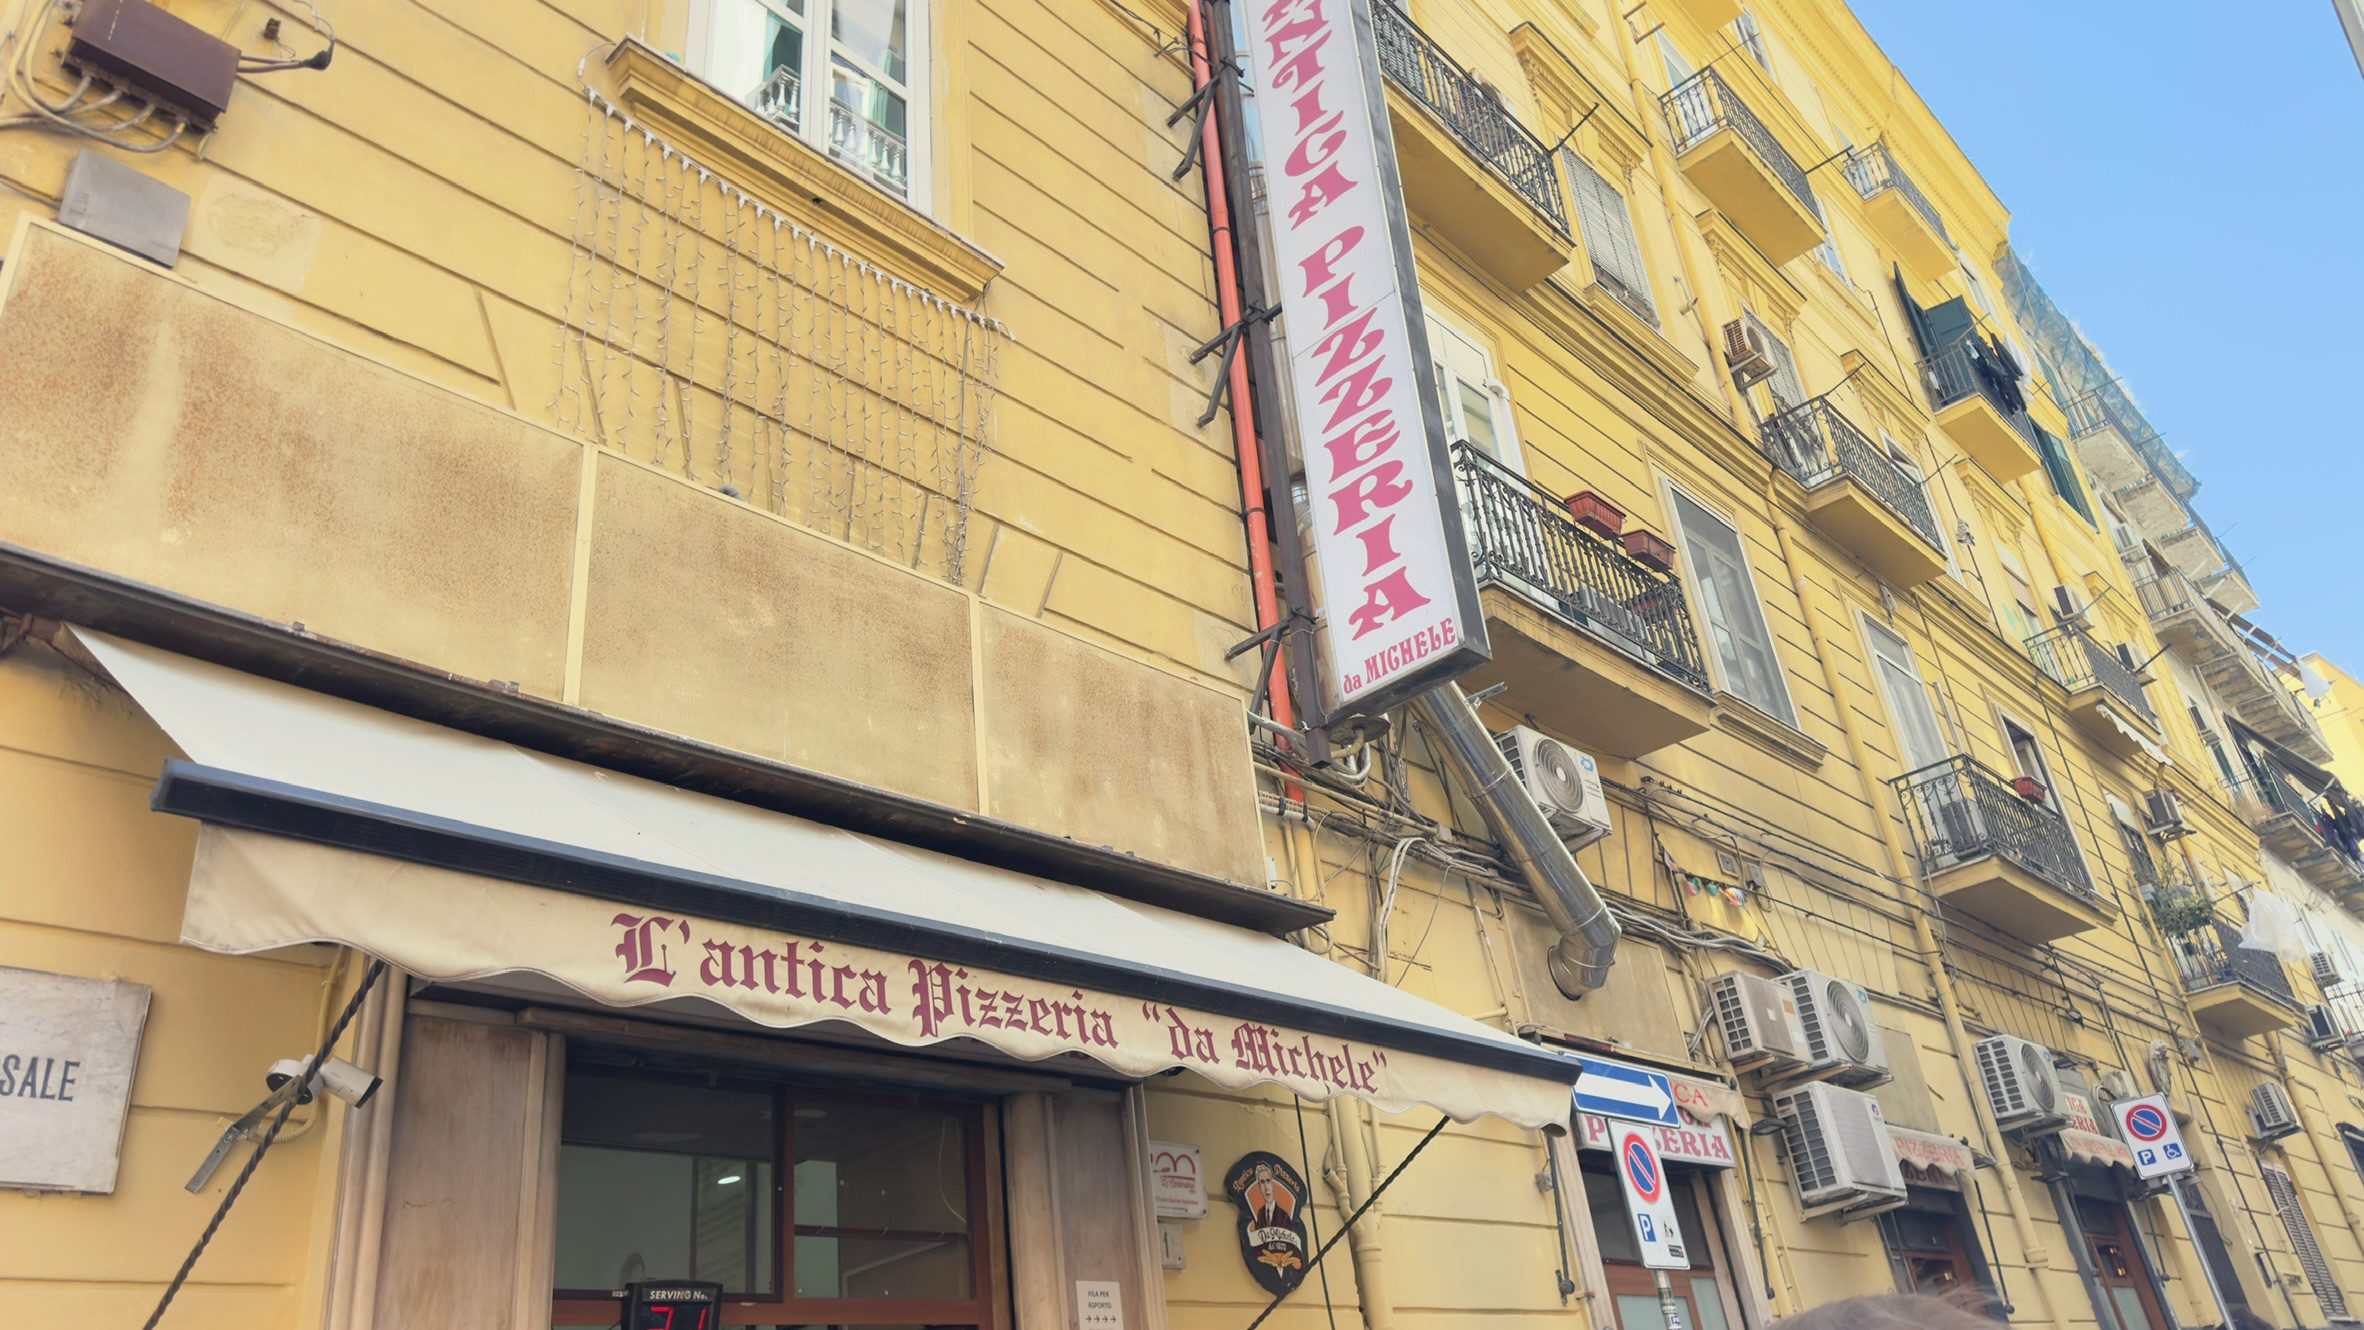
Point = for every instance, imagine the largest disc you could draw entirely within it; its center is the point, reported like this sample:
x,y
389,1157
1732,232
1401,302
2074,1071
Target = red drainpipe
x,y
1243,405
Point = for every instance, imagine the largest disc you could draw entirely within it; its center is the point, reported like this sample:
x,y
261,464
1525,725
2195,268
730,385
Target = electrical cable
x,y
262,1147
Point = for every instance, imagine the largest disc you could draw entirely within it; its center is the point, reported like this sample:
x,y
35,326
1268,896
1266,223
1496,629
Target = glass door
x,y
1919,741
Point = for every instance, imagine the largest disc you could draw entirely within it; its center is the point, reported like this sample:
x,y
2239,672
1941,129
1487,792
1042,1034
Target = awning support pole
x,y
1348,1226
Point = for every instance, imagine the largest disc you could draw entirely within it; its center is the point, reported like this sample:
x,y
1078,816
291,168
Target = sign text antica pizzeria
x,y
933,1000
1400,607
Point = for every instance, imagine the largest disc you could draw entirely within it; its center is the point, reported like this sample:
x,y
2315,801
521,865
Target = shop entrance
x,y
1931,1246
2118,1264
1704,1289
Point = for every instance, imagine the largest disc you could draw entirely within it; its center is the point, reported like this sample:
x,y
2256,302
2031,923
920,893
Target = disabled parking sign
x,y
2150,1131
1650,1203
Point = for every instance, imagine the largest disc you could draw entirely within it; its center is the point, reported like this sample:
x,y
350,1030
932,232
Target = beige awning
x,y
2148,746
1931,1158
454,856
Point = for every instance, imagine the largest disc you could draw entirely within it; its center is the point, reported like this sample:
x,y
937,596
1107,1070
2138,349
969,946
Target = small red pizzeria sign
x,y
1705,1144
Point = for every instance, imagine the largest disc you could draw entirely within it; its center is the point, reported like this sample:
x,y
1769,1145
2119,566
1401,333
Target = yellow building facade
x,y
566,472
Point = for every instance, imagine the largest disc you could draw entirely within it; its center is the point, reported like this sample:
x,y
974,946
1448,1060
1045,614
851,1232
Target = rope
x,y
263,1146
1348,1226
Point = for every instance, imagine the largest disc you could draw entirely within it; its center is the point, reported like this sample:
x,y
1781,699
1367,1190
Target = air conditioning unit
x,y
1758,1020
2162,815
1841,1038
1839,1152
1564,783
2022,1086
1745,354
2327,975
2270,1111
1625,627
2323,1030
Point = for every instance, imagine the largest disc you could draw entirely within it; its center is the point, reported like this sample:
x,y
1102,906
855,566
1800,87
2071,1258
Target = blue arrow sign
x,y
1607,1089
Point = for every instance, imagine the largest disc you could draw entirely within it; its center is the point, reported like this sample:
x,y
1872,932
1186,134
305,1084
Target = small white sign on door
x,y
68,1046
1099,1304
1177,1183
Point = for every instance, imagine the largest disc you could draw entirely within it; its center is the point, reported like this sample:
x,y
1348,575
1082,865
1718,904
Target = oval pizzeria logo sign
x,y
1272,1199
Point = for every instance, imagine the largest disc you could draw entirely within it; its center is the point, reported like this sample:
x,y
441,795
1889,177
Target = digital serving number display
x,y
672,1304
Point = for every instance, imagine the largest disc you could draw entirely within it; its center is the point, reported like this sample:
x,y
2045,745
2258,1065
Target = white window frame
x,y
711,32
1452,341
1753,40
1601,204
1882,642
1787,713
2005,722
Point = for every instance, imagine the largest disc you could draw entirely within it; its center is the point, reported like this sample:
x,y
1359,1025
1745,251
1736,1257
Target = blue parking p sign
x,y
2149,1127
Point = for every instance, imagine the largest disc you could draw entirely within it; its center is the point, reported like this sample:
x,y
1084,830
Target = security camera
x,y
337,1076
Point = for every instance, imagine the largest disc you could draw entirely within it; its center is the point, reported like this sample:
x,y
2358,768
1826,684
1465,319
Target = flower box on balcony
x,y
2028,788
1595,513
1650,550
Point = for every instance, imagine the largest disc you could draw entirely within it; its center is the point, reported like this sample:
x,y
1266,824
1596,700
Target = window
x,y
1476,405
1606,223
1753,40
2022,610
2302,1241
1788,388
2028,757
2063,473
2137,843
1828,250
1738,639
1920,743
1694,112
848,76
805,1206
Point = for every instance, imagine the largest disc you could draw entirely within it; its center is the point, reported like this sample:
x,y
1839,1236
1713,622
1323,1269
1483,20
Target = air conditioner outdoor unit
x,y
1839,1152
2271,1112
2323,1030
2327,975
1564,783
1841,1037
1758,1020
2162,815
1745,353
2022,1086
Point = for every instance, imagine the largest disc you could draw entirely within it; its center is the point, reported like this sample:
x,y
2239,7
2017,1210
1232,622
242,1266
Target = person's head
x,y
1894,1311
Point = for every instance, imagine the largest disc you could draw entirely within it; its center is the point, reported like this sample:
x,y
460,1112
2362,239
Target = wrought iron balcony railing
x,y
1960,811
2212,956
1703,103
1521,536
1816,444
2071,658
1472,111
1874,168
1973,367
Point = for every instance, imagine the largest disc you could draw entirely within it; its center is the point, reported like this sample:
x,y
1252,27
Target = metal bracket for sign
x,y
1200,105
1228,342
242,1129
1269,639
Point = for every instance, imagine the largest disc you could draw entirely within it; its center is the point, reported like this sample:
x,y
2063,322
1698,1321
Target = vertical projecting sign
x,y
1400,602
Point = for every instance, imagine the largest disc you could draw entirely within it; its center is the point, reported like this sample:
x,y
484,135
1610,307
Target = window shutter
x,y
1607,226
1788,389
2302,1241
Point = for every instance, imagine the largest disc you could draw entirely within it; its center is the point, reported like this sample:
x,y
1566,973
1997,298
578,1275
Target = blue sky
x,y
2187,180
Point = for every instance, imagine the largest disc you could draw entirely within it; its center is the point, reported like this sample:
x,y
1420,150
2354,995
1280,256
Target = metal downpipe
x,y
1588,935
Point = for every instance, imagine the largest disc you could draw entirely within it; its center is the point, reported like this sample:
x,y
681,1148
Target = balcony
x,y
2288,821
2190,626
1469,168
2236,991
1901,214
1980,408
1594,645
2105,696
1729,154
1857,494
1996,857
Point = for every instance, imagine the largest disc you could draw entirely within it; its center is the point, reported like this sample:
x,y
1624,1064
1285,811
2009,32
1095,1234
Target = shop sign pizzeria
x,y
1705,1144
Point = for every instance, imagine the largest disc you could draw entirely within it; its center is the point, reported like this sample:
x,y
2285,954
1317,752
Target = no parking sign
x,y
1651,1204
2150,1130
